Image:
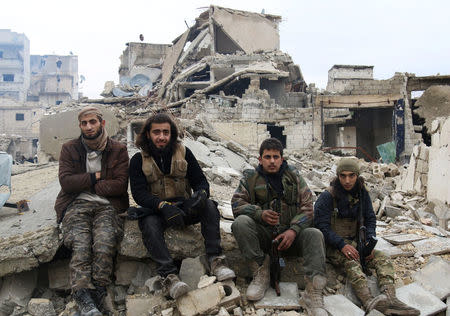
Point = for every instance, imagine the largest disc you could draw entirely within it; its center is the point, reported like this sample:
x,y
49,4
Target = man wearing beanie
x,y
93,173
336,213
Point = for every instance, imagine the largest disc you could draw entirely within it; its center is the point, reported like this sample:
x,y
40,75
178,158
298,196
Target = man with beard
x,y
162,178
273,200
93,173
339,212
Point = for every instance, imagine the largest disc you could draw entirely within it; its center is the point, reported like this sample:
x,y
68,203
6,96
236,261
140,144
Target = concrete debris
x,y
41,307
435,277
205,281
288,299
16,290
416,296
201,301
338,305
191,271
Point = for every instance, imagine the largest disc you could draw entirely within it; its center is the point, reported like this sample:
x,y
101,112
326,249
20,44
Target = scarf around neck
x,y
96,144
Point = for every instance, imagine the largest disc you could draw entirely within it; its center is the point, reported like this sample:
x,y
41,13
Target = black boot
x,y
85,303
98,296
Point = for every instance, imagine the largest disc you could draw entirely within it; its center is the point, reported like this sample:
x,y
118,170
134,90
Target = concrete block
x,y
191,271
205,281
143,305
435,277
392,251
225,210
392,211
132,272
17,290
58,275
167,312
232,295
400,239
223,312
432,246
289,298
416,296
200,301
41,307
339,305
238,311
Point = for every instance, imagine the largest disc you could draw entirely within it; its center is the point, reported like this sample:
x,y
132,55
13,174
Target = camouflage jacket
x,y
254,194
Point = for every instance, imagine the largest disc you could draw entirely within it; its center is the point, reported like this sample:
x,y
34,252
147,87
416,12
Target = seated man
x,y
93,173
257,216
336,214
161,178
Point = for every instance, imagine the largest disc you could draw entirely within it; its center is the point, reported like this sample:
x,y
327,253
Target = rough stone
x,y
223,312
288,299
225,210
433,246
58,275
435,277
200,301
339,305
128,272
400,239
167,312
16,290
41,307
416,296
232,295
143,305
192,269
392,211
390,250
205,281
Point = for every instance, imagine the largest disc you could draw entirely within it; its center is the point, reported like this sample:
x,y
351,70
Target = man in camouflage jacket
x,y
275,196
93,173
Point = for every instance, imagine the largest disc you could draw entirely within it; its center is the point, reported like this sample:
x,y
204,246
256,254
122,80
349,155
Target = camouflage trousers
x,y
382,265
92,231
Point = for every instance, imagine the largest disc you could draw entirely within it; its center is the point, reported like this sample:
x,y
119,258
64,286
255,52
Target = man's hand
x,y
286,239
270,217
98,175
350,252
173,215
199,197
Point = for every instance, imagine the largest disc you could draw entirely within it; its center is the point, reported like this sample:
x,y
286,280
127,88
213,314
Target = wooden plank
x,y
357,101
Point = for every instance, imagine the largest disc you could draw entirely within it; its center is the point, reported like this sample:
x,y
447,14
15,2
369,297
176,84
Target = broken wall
x,y
339,76
246,30
439,161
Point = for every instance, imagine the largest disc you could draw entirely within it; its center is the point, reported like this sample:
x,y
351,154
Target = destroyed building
x,y
14,65
54,79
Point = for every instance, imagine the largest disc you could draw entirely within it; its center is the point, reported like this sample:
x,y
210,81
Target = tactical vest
x,y
262,194
167,186
343,227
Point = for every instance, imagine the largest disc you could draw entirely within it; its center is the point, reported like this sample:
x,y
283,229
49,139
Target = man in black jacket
x,y
162,178
337,214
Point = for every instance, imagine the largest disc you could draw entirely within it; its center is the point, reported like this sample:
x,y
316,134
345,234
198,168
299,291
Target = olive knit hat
x,y
348,164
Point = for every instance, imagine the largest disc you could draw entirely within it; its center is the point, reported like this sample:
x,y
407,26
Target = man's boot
x,y
85,303
313,297
98,295
174,287
369,302
261,280
219,269
394,306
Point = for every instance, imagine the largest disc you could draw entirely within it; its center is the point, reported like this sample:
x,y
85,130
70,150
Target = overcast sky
x,y
392,35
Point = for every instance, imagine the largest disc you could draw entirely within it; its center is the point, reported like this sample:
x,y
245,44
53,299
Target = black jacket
x,y
323,209
138,180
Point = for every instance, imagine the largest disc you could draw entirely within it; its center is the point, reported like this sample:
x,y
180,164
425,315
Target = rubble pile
x,y
409,233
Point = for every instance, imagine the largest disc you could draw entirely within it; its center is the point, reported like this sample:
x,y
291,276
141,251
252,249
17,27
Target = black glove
x,y
134,213
173,215
198,198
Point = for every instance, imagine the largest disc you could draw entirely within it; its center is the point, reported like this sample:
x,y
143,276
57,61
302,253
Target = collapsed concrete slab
x,y
432,246
392,251
435,277
288,299
32,238
400,239
201,301
339,305
416,296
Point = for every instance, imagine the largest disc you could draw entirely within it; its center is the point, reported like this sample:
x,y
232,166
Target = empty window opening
x,y
224,44
8,77
20,116
277,132
235,87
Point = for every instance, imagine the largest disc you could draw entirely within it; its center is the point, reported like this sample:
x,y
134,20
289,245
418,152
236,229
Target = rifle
x,y
276,263
364,247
